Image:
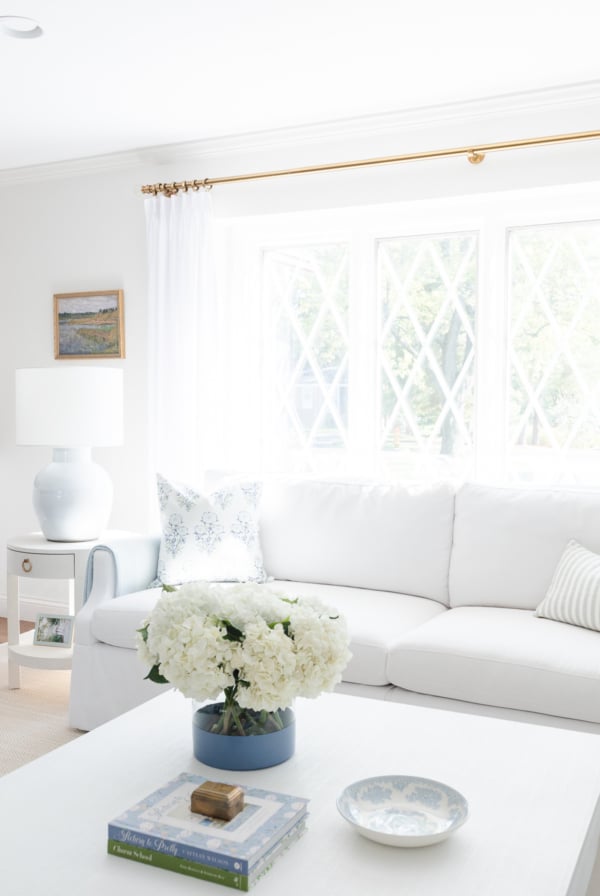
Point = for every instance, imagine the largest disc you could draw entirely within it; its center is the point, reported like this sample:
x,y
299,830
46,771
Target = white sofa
x,y
439,587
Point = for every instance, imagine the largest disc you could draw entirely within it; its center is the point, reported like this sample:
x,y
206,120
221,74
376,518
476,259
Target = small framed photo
x,y
89,325
53,631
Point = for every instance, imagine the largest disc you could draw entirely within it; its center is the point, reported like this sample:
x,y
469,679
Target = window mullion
x,y
491,371
363,407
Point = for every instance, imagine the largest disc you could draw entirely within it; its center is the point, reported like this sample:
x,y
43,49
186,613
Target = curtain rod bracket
x,y
475,157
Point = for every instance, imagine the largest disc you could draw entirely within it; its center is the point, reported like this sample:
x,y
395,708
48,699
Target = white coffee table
x,y
533,792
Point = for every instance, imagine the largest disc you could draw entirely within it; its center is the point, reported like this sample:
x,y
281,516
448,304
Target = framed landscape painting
x,y
89,325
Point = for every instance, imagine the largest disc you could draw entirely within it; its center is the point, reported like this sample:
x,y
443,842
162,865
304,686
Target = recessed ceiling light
x,y
20,27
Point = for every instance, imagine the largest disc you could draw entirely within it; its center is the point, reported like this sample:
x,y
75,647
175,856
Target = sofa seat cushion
x,y
502,657
115,622
374,618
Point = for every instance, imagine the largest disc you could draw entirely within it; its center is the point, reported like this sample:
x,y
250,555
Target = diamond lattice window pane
x,y
426,292
554,351
307,405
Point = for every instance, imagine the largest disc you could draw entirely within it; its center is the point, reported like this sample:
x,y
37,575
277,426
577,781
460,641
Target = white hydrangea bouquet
x,y
256,645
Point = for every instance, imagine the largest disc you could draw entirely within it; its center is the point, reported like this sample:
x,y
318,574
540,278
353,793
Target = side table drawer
x,y
40,566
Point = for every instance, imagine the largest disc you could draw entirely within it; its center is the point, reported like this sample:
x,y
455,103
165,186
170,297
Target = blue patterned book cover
x,y
164,822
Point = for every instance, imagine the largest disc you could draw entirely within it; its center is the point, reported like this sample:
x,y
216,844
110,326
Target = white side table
x,y
32,556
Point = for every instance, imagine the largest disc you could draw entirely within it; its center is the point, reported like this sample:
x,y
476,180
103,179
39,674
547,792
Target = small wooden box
x,y
217,800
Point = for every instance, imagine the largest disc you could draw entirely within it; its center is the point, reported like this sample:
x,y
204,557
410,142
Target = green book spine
x,y
175,863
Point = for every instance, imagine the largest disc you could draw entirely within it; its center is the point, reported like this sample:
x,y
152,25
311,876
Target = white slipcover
x,y
375,618
382,537
502,657
508,541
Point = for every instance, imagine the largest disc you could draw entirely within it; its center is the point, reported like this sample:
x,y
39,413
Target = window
x,y
306,291
425,340
426,298
554,350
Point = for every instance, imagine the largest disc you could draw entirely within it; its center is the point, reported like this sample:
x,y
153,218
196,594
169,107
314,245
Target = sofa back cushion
x,y
508,542
383,537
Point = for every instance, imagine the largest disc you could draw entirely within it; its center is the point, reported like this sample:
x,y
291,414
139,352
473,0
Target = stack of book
x,y
162,830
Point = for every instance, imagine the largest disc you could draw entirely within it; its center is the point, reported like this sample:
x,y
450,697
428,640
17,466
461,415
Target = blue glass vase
x,y
241,752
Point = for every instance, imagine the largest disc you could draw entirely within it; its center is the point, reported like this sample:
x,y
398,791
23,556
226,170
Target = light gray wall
x,y
80,226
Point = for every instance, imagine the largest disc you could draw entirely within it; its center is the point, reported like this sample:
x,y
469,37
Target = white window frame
x,y
491,216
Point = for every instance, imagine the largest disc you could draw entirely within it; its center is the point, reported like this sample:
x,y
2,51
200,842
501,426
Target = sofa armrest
x,y
121,567
115,568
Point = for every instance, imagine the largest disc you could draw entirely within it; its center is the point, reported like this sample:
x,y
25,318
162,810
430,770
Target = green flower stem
x,y
276,720
231,722
235,720
235,715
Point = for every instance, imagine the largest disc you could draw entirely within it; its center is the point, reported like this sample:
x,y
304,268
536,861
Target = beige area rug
x,y
33,718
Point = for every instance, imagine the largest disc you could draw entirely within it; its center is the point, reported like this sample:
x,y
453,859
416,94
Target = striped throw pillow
x,y
574,593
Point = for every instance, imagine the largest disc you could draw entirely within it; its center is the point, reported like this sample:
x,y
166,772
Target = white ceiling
x,y
125,74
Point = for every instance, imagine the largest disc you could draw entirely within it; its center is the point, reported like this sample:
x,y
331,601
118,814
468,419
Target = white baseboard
x,y
31,606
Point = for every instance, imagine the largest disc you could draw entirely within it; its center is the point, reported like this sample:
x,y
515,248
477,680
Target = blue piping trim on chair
x,y
89,572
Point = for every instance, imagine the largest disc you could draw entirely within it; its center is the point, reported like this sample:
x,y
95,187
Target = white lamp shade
x,y
69,407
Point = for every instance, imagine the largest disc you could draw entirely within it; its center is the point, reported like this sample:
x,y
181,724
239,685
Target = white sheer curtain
x,y
183,335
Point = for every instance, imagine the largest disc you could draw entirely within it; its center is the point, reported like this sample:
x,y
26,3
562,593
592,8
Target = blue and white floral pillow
x,y
212,538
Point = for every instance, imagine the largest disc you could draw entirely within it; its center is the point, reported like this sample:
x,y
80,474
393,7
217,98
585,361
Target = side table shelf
x,y
32,556
39,657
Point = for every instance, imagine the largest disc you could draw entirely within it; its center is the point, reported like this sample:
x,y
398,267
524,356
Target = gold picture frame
x,y
89,325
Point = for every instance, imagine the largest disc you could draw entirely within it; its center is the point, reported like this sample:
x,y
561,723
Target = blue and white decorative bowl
x,y
400,810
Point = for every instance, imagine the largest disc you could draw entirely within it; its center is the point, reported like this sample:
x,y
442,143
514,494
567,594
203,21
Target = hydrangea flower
x,y
257,646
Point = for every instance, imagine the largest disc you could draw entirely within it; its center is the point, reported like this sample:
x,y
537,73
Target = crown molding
x,y
470,112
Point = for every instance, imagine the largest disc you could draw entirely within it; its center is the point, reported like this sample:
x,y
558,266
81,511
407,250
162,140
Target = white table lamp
x,y
71,410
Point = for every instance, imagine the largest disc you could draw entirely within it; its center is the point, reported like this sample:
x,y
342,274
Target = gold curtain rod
x,y
474,153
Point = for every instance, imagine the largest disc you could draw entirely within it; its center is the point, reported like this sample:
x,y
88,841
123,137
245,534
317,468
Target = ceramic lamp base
x,y
72,496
